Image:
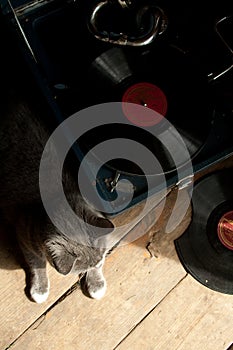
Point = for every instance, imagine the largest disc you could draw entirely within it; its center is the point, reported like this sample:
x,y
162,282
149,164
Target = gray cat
x,y
23,136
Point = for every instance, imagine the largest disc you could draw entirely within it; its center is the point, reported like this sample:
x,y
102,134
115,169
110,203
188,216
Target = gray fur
x,y
22,140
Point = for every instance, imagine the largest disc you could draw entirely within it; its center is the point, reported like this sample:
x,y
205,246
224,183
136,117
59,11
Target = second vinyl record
x,y
206,248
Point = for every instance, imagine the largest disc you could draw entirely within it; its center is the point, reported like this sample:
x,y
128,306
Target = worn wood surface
x,y
190,317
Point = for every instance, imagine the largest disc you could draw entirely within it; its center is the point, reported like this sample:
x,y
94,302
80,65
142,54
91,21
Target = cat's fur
x,y
22,140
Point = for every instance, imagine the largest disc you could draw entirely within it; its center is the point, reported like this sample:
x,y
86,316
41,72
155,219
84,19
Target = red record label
x,y
146,95
225,230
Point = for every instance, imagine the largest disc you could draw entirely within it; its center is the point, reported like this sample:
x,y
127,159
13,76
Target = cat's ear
x,y
60,258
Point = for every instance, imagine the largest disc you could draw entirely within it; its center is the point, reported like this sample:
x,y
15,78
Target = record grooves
x,y
206,247
162,79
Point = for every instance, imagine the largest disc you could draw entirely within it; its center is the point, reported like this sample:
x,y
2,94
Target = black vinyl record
x,y
161,78
206,247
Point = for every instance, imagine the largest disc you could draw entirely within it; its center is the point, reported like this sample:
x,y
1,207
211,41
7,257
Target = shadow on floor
x,y
10,254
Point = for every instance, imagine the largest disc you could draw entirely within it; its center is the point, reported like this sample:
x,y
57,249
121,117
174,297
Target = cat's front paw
x,y
93,284
97,290
39,295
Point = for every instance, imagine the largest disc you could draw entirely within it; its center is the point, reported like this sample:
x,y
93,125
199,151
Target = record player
x,y
82,54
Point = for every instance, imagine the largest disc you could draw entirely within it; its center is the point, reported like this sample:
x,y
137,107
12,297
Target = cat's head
x,y
77,255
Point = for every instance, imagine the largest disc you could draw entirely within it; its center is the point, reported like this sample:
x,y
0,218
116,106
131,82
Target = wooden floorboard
x,y
190,317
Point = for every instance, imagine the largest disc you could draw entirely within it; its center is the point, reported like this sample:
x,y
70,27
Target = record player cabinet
x,y
58,48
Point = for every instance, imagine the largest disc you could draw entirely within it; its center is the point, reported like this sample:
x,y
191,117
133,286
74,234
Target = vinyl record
x,y
162,79
206,247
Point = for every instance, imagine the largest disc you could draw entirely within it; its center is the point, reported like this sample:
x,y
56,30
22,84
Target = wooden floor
x,y
151,303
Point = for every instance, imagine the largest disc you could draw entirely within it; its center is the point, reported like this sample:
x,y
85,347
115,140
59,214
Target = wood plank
x,y
160,237
136,284
145,214
191,317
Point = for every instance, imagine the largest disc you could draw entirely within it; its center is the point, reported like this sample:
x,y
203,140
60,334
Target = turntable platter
x,y
164,80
